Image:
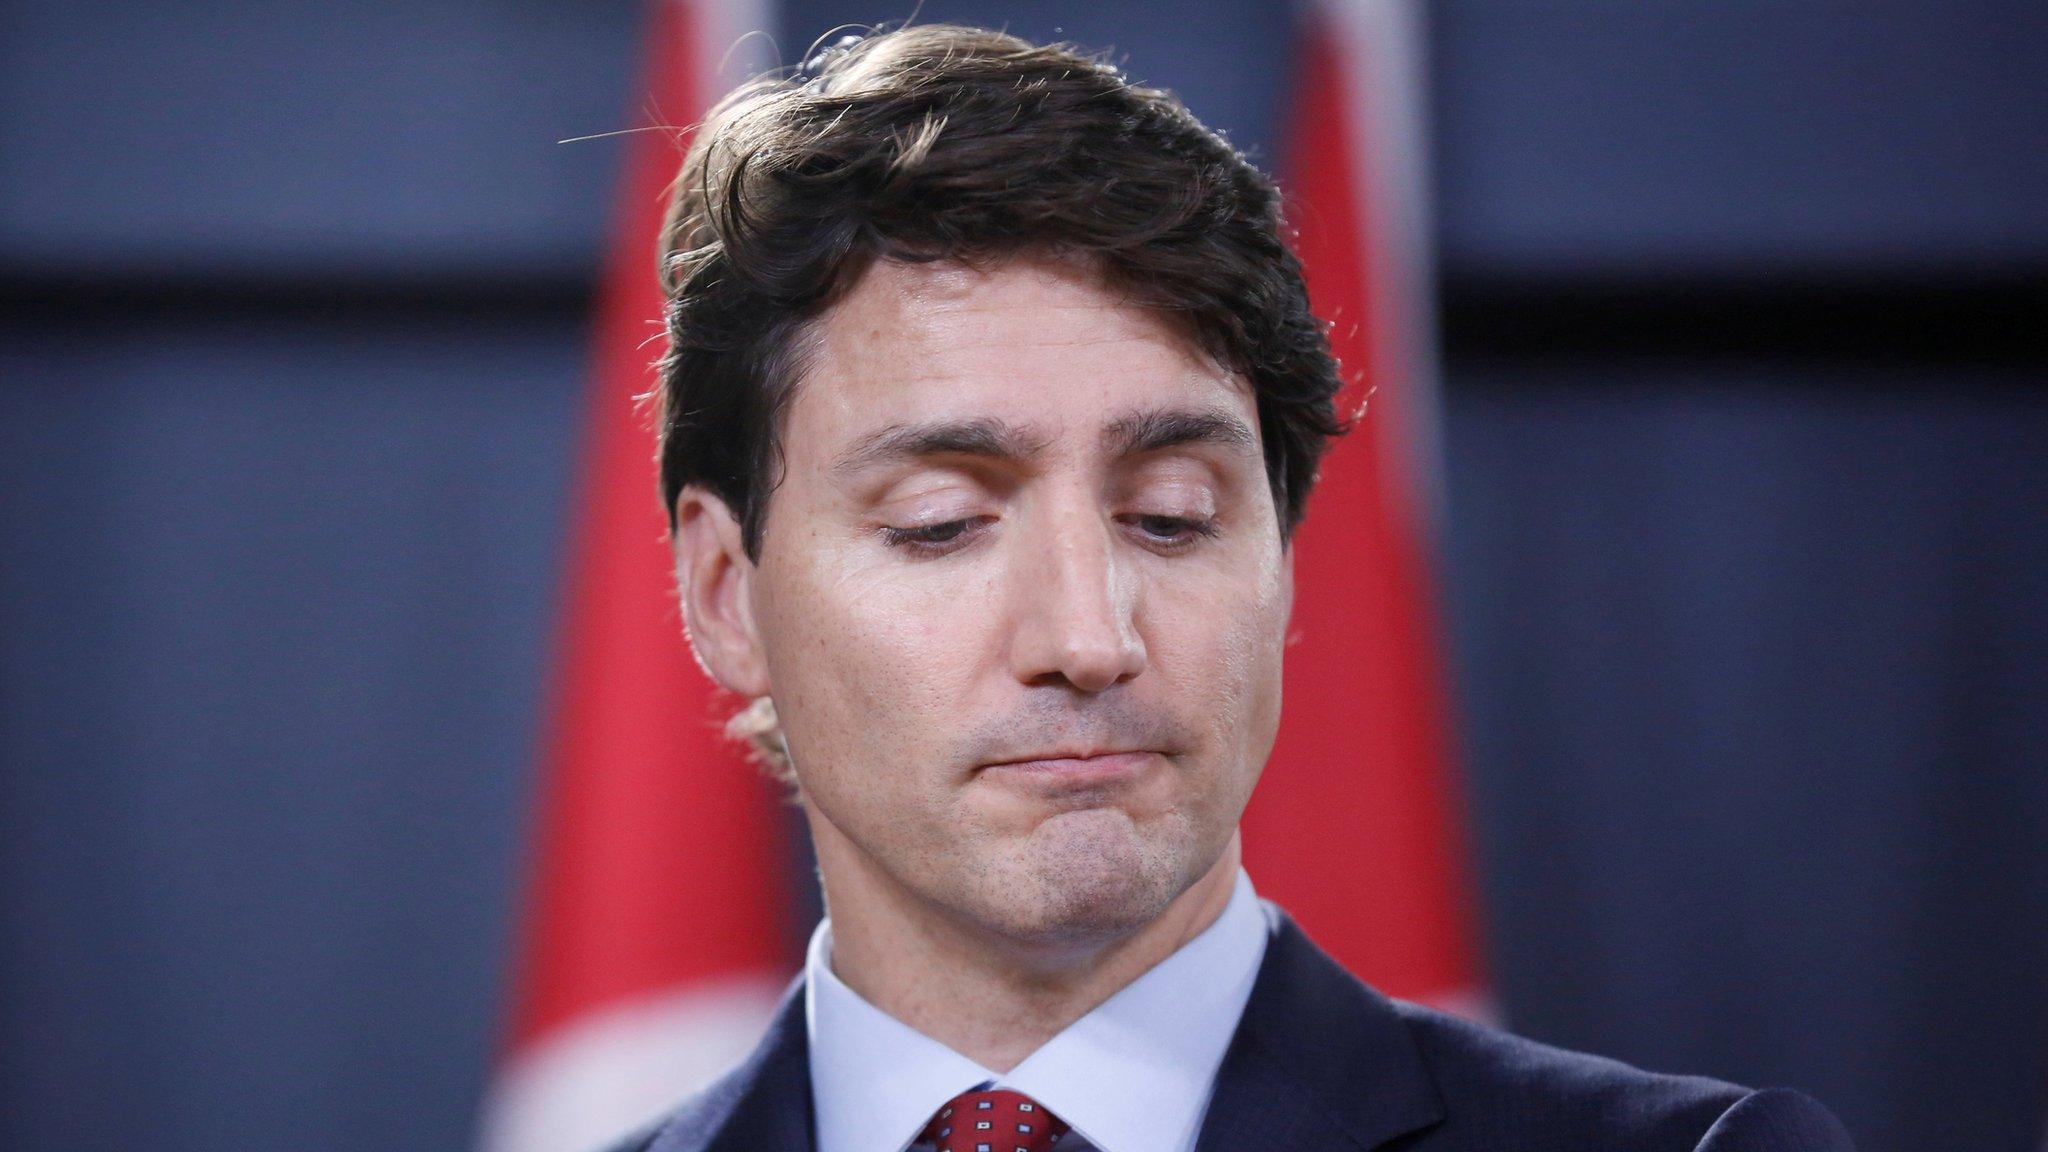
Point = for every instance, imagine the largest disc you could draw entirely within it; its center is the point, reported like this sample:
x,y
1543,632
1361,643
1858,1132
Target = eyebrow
x,y
1163,428
988,439
1134,434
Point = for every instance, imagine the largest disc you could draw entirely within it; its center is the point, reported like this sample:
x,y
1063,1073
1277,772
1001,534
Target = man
x,y
991,404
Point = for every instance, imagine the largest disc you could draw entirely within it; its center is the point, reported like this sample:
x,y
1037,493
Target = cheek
x,y
1234,633
1235,622
862,658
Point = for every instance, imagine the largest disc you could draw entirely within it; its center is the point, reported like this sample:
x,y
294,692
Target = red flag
x,y
652,942
1355,825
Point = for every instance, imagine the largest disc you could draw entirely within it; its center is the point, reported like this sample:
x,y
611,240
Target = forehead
x,y
1035,343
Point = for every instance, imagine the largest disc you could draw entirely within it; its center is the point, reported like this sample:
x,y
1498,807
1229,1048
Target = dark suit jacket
x,y
1321,1061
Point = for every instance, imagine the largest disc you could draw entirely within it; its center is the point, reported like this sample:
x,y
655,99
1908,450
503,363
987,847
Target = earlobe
x,y
713,576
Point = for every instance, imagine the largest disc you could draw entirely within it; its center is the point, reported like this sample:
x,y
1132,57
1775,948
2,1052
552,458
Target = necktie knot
x,y
995,1120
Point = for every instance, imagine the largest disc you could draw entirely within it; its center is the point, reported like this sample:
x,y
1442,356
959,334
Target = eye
x,y
934,539
1171,532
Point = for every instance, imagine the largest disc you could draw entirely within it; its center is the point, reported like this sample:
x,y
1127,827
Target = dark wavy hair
x,y
940,142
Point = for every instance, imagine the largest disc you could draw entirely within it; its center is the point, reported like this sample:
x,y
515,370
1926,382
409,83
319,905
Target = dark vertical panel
x,y
1738,136
274,598
1753,656
351,137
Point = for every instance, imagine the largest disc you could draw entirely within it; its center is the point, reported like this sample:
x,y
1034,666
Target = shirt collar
x,y
1133,1074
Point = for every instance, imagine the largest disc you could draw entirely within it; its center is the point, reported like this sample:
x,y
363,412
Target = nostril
x,y
1094,667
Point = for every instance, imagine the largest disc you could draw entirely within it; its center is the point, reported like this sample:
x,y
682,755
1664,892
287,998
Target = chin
x,y
1085,876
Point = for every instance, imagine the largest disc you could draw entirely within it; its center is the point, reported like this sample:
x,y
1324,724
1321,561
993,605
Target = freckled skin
x,y
1059,616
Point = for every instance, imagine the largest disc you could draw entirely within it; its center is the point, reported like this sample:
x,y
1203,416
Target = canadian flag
x,y
652,941
1356,826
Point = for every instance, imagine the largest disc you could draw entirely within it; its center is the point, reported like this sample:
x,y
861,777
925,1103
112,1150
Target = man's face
x,y
1021,598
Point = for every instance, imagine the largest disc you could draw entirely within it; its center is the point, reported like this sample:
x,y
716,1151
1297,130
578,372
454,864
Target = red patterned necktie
x,y
996,1120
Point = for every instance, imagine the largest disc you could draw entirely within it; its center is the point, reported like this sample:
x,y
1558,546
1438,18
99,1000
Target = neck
x,y
991,998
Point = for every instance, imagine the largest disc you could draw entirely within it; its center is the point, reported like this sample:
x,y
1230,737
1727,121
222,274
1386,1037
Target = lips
x,y
1080,770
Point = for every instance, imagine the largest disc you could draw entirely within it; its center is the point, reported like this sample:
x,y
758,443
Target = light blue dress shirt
x,y
1134,1075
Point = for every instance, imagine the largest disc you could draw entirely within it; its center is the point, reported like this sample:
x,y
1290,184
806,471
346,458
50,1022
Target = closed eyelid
x,y
1176,479
913,479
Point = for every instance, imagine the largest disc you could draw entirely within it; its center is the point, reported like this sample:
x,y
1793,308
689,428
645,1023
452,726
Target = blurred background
x,y
1744,557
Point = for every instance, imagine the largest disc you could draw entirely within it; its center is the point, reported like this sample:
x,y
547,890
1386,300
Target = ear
x,y
713,575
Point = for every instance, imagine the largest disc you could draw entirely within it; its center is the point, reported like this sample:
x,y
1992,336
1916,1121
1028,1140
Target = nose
x,y
1076,608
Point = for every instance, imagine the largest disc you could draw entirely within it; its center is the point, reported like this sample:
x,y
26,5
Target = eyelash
x,y
949,535
931,539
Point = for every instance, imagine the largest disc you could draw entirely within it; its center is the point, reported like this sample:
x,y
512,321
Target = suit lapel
x,y
765,1103
1318,1061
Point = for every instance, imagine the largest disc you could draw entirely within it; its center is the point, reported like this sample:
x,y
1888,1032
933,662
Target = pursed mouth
x,y
1079,769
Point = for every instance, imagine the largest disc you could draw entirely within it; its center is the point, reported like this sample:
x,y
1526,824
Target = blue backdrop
x,y
1747,452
